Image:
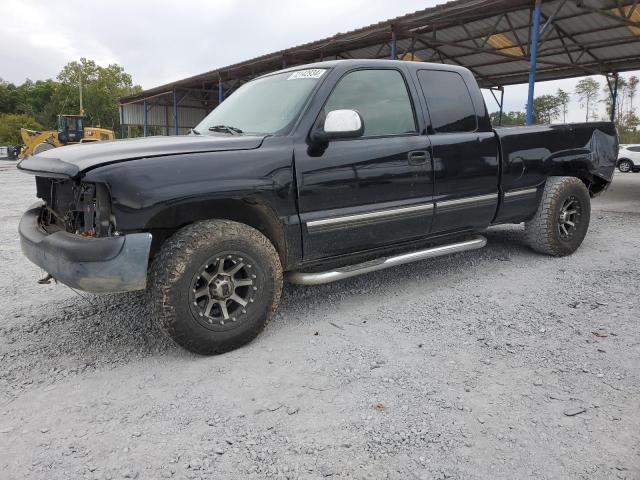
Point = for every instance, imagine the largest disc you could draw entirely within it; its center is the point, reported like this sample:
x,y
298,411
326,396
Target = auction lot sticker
x,y
310,73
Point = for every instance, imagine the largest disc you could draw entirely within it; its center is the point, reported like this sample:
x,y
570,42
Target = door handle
x,y
418,157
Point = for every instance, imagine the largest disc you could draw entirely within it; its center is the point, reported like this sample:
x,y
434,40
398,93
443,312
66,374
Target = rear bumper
x,y
101,265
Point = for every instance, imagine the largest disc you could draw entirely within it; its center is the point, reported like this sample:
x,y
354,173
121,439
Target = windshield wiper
x,y
225,128
194,131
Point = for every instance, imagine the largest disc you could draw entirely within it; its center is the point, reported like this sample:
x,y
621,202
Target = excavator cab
x,y
70,128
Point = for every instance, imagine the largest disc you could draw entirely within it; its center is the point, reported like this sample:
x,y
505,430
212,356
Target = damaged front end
x,y
72,235
76,207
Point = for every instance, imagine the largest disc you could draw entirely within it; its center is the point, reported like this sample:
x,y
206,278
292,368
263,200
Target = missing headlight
x,y
77,207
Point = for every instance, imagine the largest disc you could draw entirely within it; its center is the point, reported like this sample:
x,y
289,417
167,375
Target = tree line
x,y
591,95
36,105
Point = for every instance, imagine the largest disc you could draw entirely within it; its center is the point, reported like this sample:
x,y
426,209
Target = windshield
x,y
267,105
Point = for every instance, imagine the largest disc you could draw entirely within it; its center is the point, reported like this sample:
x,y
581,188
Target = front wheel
x,y
625,166
562,219
214,285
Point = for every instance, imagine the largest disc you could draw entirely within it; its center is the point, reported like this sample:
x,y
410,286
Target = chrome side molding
x,y
368,217
478,200
317,278
519,193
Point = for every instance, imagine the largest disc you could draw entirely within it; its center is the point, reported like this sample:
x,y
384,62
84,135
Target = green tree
x,y
508,118
563,98
44,100
626,119
101,86
587,92
632,86
546,108
10,125
34,98
8,97
629,130
621,98
630,137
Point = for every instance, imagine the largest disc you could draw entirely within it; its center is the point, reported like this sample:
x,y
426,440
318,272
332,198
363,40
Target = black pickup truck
x,y
311,174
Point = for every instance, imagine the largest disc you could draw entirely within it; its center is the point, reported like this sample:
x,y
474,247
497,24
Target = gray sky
x,y
160,41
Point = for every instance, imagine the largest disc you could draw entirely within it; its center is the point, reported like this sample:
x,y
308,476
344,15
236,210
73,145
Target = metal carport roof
x,y
492,38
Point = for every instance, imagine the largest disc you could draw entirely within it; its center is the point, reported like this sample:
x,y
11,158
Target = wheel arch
x,y
593,164
581,169
255,214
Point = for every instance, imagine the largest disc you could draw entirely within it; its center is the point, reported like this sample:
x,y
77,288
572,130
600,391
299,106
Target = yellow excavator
x,y
70,130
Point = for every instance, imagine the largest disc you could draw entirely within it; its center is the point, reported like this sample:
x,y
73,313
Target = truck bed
x,y
531,154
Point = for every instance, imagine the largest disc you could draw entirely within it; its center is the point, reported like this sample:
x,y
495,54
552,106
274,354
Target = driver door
x,y
374,190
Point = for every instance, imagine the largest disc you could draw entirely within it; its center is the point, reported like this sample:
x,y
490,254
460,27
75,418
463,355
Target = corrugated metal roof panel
x,y
619,51
456,32
162,116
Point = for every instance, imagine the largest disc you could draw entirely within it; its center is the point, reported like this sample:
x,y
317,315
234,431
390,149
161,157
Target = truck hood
x,y
72,160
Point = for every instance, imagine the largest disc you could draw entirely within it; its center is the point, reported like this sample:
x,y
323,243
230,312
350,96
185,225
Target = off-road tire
x,y
625,165
177,266
543,232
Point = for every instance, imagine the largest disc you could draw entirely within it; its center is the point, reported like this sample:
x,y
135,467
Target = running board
x,y
317,278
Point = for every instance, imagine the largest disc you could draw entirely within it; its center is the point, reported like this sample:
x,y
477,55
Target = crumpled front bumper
x,y
100,265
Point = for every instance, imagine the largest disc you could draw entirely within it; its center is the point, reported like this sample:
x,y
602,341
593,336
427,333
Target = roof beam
x,y
550,19
527,26
553,73
493,30
429,44
619,18
558,37
554,52
566,49
563,33
515,34
469,36
438,43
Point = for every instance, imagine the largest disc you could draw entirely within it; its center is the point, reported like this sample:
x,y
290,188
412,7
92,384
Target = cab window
x,y
380,97
448,101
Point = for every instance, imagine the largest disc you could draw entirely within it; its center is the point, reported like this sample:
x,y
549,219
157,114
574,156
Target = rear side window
x,y
633,149
380,96
448,100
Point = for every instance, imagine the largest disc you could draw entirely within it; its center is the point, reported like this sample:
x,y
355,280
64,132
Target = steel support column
x,y
392,46
175,112
220,90
533,60
145,124
499,102
501,105
121,121
614,94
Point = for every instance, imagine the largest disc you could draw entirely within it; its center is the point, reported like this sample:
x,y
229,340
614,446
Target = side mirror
x,y
343,124
337,124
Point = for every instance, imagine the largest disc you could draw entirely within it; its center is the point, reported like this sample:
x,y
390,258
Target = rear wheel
x,y
562,219
215,284
625,166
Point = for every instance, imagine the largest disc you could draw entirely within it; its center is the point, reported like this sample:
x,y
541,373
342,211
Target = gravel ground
x,y
497,363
